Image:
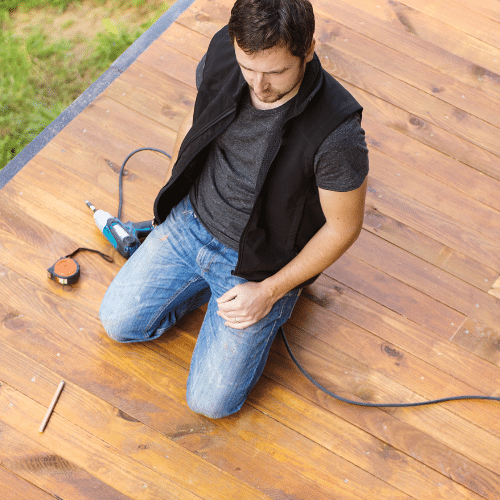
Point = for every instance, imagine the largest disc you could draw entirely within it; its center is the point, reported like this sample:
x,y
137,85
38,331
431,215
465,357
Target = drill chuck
x,y
124,237
102,218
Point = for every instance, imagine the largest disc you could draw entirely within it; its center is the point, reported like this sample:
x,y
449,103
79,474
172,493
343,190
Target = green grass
x,y
26,5
39,78
10,5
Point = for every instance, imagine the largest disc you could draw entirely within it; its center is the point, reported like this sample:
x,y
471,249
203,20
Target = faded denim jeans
x,y
179,267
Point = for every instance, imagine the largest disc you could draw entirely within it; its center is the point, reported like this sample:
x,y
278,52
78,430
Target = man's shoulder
x,y
347,132
341,162
220,46
220,59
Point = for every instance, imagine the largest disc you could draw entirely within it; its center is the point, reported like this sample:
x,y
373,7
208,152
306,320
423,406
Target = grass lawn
x,y
52,50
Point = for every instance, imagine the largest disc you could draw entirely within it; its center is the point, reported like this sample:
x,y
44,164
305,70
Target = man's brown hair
x,y
257,25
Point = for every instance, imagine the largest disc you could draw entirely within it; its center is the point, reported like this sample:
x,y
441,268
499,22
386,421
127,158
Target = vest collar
x,y
311,83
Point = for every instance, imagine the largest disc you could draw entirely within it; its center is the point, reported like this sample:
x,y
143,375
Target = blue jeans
x,y
179,267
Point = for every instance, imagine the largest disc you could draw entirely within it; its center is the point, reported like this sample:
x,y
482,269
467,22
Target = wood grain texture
x,y
14,487
495,289
411,312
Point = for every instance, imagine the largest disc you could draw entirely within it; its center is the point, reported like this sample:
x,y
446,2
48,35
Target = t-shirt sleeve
x,y
341,163
199,71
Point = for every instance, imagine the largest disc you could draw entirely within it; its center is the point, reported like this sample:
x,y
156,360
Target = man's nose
x,y
260,82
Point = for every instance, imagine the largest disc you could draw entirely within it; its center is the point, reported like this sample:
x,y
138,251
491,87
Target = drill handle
x,y
140,229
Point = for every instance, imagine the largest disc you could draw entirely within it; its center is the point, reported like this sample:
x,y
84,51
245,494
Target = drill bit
x,y
91,206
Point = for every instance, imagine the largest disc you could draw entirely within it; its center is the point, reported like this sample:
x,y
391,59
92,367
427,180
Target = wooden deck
x,y
411,312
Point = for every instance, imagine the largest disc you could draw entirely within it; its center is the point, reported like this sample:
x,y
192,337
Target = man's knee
x,y
114,324
212,404
132,324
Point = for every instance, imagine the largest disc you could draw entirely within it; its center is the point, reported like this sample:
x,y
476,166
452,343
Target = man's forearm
x,y
344,214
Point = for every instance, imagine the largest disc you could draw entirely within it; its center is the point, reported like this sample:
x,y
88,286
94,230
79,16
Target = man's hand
x,y
245,304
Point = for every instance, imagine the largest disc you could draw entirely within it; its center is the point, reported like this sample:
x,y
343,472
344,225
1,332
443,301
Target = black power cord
x,y
294,359
377,405
120,175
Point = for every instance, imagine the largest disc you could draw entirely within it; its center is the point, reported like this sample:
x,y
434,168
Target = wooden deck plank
x,y
139,89
414,23
480,338
399,332
466,300
189,41
393,292
460,18
142,443
463,208
431,222
433,136
345,41
106,164
495,289
488,8
105,463
423,158
429,250
409,313
421,105
389,348
206,18
13,488
396,435
358,17
421,382
43,473
367,452
162,57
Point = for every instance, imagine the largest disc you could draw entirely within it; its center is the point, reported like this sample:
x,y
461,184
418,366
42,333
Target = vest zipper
x,y
245,231
211,124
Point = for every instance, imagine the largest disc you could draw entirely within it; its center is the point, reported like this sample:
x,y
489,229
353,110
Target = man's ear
x,y
310,52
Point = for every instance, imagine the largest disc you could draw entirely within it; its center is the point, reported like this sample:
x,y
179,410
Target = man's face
x,y
274,75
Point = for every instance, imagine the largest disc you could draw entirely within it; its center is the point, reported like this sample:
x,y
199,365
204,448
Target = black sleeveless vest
x,y
287,212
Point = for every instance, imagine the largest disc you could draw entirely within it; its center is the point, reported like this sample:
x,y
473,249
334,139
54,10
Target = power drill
x,y
125,237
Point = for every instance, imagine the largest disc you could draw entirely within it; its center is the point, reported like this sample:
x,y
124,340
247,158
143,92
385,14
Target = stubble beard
x,y
270,96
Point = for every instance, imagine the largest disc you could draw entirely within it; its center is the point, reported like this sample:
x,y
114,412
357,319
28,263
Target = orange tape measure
x,y
66,270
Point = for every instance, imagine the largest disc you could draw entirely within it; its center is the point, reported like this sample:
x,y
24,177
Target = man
x,y
266,191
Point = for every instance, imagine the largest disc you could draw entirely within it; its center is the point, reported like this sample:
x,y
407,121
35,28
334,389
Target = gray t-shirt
x,y
224,193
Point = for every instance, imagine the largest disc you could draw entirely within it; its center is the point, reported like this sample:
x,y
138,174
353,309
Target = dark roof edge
x,y
75,108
